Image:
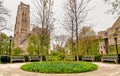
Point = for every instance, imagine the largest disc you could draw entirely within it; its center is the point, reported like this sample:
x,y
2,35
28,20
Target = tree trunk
x,y
76,22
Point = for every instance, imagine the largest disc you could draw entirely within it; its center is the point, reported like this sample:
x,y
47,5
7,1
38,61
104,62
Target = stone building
x,y
108,38
22,31
22,26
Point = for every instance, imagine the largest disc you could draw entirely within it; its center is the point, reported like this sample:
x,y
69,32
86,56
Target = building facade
x,y
108,38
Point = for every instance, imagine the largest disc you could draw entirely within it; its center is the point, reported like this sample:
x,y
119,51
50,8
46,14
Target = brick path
x,y
104,70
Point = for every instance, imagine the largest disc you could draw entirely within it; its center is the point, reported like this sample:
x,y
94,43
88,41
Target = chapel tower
x,y
22,26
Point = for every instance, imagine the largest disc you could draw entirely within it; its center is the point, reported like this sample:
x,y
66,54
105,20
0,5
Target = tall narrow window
x,y
101,47
104,47
25,17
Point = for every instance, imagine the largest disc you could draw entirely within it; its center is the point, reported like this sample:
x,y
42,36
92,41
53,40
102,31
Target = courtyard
x,y
68,31
104,69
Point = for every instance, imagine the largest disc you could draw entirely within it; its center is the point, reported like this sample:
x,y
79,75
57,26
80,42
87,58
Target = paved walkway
x,y
104,70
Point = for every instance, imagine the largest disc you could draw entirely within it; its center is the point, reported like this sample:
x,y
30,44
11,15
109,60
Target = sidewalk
x,y
104,70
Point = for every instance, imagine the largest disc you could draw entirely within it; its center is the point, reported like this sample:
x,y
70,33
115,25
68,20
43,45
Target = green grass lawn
x,y
59,67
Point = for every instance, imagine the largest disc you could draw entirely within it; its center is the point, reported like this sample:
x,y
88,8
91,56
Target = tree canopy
x,y
88,43
115,6
4,43
3,13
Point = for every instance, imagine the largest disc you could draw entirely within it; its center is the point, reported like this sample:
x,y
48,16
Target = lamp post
x,y
10,38
115,38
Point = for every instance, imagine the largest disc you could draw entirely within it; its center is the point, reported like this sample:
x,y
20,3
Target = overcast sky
x,y
96,16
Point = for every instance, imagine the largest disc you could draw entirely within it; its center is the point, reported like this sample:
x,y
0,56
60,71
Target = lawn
x,y
59,67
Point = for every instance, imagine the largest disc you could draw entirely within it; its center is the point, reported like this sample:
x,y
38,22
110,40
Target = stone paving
x,y
104,70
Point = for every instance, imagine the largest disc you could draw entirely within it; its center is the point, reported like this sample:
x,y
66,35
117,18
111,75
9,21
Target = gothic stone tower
x,y
22,26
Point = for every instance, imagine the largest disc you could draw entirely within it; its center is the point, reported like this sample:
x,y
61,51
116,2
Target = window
x,y
25,14
105,33
101,47
101,52
104,47
23,17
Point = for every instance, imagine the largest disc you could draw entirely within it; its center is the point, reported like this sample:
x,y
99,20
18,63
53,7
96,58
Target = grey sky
x,y
96,16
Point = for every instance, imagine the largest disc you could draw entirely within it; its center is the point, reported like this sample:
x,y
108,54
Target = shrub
x,y
17,51
110,55
59,67
43,58
26,58
0,58
59,56
80,58
98,57
69,58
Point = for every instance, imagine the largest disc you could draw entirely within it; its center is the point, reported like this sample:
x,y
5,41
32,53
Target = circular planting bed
x,y
59,67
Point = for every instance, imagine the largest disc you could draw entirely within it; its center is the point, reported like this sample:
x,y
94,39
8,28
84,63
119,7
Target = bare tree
x,y
76,12
59,41
3,12
44,19
68,22
115,9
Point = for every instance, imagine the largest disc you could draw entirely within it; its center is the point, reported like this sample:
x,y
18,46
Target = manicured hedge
x,y
59,67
